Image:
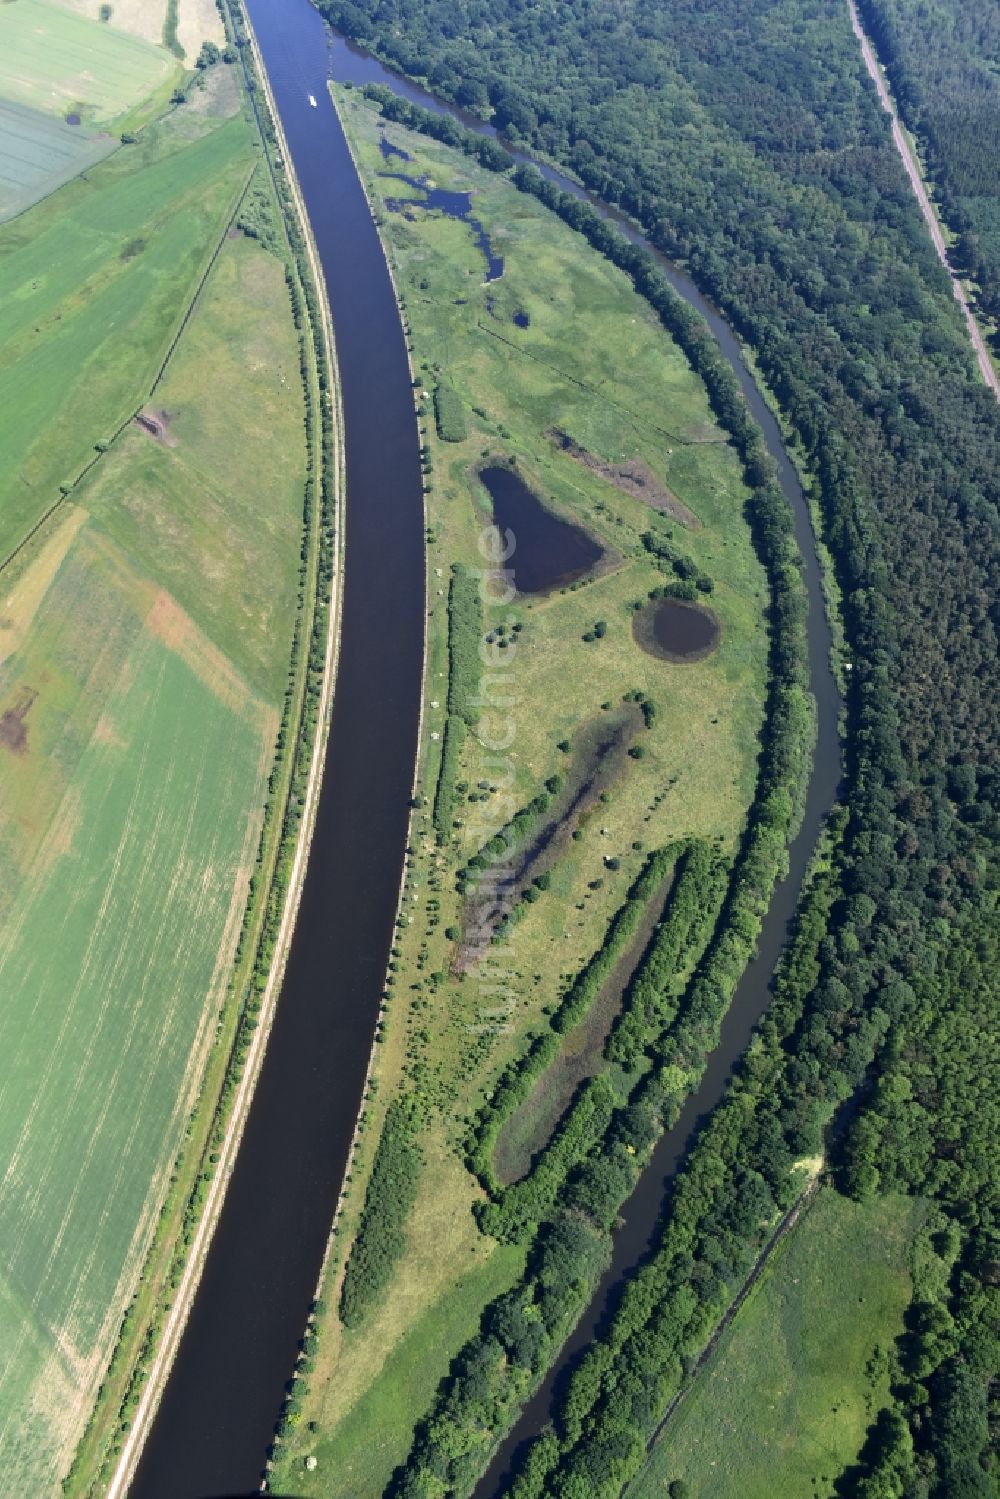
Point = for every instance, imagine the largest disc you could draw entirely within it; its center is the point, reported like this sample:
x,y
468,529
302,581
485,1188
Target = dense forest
x,y
748,142
943,61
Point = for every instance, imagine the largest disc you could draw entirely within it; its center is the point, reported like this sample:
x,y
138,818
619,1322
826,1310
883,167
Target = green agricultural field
x,y
135,755
594,362
138,714
39,154
93,285
786,1399
61,62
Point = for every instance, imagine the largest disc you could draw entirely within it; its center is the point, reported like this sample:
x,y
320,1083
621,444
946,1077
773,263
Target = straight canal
x,y
215,1423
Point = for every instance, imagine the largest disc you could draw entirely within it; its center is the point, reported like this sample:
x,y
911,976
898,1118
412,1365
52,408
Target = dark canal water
x,y
223,1396
548,552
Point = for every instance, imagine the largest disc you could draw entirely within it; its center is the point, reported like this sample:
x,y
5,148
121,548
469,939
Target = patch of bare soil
x,y
157,424
634,476
13,728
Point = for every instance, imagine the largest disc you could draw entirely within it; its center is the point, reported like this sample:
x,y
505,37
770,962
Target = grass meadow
x,y
93,285
786,1399
60,62
594,362
145,632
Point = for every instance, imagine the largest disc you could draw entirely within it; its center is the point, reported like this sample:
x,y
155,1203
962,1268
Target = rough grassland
x,y
93,283
596,363
133,791
787,1398
39,153
58,61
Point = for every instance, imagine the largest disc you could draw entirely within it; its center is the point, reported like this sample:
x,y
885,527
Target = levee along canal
x,y
215,1422
214,1425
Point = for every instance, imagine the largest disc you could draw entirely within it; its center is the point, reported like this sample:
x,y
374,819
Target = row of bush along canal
x,y
664,632
218,1409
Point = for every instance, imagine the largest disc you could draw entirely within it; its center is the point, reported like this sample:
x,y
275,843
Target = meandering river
x,y
214,1426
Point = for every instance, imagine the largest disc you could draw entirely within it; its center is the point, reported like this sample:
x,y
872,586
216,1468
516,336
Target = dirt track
x,y
926,207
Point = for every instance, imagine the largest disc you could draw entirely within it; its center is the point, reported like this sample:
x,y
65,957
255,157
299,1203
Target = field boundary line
x,y
916,178
174,339
183,1297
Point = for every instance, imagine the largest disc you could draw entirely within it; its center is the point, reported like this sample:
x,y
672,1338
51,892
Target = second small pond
x,y
675,630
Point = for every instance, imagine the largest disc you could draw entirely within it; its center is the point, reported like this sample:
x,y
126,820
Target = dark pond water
x,y
546,552
455,206
224,1394
225,1390
389,150
676,631
521,320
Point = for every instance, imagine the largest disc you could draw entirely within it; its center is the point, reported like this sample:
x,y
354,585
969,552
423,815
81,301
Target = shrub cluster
x,y
656,989
515,1212
513,833
465,628
449,414
685,567
392,1191
592,977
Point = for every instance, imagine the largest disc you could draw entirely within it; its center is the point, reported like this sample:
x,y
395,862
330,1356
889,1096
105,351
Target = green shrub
x,y
465,628
392,1191
449,414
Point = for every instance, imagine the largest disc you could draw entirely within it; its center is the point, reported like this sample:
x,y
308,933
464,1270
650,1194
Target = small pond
x,y
521,319
389,150
549,552
453,205
676,631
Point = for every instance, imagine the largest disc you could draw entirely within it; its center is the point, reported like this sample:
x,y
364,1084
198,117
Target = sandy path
x,y
926,207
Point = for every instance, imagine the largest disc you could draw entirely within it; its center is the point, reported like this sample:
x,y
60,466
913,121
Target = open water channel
x,y
215,1423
